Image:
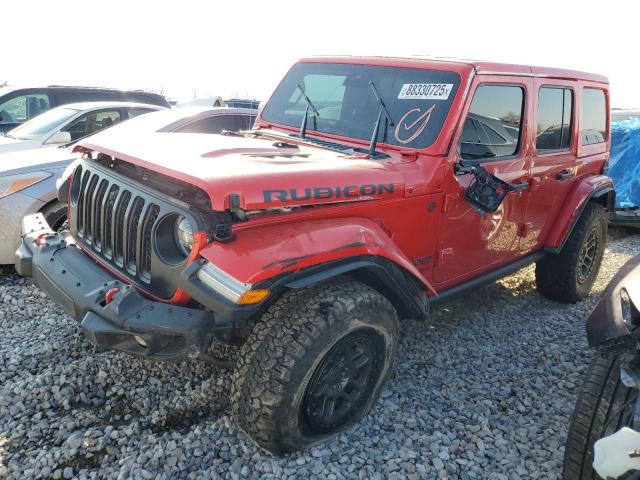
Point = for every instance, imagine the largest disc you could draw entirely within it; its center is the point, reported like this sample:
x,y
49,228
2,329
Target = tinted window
x,y
492,126
246,121
593,121
24,107
213,124
85,96
92,122
555,106
142,97
418,101
135,111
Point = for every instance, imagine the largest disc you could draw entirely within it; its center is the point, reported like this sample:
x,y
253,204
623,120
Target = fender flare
x,y
597,188
296,255
401,288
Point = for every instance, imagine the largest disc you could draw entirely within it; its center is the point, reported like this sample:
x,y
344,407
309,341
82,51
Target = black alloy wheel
x,y
343,381
588,255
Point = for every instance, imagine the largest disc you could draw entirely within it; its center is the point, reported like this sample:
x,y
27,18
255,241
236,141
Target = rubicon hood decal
x,y
328,193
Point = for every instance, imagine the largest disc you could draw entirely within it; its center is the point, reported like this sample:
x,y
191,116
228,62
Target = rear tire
x,y
598,413
314,364
569,275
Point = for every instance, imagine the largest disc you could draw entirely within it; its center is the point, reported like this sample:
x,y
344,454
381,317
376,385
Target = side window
x,y
135,111
555,107
92,123
246,121
213,124
492,127
593,121
23,108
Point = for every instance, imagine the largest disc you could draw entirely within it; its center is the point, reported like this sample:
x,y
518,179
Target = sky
x,y
243,48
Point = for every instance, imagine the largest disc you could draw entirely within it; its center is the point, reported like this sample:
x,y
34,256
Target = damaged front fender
x,y
257,255
610,323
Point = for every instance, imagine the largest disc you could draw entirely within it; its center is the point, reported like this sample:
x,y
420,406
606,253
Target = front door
x,y
493,136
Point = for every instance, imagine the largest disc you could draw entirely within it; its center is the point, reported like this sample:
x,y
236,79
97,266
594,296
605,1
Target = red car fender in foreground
x,y
287,248
585,189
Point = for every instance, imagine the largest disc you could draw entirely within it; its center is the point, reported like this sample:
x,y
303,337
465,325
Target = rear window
x,y
593,121
418,101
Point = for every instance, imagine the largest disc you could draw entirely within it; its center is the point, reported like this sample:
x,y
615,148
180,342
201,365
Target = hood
x,y
36,159
260,172
8,144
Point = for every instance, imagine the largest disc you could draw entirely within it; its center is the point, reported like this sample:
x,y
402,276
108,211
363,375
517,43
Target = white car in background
x,y
28,178
69,123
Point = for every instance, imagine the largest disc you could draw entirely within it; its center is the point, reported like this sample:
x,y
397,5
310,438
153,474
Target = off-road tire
x,y
601,400
557,274
295,337
55,213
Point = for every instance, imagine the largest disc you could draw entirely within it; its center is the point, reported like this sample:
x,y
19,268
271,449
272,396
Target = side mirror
x,y
59,137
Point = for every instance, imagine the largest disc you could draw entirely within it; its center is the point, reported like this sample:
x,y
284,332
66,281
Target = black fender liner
x,y
607,327
605,195
404,291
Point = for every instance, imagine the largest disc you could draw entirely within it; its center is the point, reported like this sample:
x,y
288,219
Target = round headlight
x,y
184,236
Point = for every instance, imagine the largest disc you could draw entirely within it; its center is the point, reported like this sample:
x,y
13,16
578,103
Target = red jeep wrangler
x,y
370,188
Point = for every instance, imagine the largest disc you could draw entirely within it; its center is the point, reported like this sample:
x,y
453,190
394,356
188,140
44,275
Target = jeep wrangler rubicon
x,y
369,188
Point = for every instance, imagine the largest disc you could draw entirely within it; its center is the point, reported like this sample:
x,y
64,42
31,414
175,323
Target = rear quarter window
x,y
593,121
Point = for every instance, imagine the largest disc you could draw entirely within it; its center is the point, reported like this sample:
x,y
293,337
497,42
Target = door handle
x,y
518,186
564,175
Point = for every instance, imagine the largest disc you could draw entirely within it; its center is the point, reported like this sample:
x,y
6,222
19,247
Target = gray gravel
x,y
484,389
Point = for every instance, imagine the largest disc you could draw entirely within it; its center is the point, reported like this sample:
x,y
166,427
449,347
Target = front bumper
x,y
130,322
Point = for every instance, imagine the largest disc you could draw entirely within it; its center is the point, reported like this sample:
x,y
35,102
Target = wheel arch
x,y
598,189
400,287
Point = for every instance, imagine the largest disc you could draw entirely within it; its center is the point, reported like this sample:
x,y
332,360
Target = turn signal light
x,y
251,297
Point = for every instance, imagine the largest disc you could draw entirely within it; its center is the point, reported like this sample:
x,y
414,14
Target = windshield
x,y
42,124
418,101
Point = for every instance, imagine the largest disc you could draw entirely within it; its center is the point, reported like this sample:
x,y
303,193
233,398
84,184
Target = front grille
x,y
115,222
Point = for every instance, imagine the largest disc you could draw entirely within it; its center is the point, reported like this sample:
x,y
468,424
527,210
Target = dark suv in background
x,y
17,105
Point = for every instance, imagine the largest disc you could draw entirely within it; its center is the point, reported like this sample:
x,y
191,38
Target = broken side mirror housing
x,y
486,192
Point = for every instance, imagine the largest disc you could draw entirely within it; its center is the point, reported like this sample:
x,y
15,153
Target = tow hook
x,y
110,294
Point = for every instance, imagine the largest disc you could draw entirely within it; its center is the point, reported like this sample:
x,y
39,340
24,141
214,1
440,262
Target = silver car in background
x,y
69,123
28,179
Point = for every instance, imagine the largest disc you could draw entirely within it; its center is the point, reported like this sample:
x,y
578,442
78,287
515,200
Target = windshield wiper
x,y
303,127
376,128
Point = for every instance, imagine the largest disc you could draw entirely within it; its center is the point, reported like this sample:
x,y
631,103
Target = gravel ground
x,y
484,389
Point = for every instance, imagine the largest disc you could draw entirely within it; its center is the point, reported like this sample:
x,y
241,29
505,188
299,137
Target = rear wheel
x,y
569,275
314,364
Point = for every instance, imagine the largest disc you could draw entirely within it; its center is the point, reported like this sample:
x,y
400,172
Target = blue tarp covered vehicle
x,y
624,166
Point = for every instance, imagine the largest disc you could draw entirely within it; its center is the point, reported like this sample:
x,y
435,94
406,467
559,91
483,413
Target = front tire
x,y
604,406
569,275
314,364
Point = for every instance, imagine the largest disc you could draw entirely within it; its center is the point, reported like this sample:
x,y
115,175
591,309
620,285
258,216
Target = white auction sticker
x,y
425,91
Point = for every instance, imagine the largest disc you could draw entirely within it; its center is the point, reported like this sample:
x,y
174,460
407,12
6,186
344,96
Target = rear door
x,y
553,165
494,136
